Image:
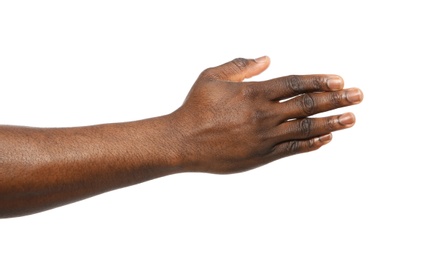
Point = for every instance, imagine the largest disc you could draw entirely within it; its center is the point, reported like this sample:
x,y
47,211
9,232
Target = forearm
x,y
224,126
45,168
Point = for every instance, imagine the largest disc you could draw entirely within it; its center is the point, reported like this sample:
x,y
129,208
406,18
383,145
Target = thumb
x,y
240,69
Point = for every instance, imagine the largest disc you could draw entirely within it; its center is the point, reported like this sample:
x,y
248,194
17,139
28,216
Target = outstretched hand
x,y
228,125
225,125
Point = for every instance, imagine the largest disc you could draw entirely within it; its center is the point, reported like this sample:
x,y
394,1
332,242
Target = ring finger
x,y
311,127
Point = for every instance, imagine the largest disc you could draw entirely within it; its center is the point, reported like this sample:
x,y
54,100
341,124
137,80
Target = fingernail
x,y
335,83
261,59
347,119
325,138
354,95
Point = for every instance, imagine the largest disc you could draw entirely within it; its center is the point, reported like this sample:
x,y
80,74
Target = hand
x,y
228,125
225,125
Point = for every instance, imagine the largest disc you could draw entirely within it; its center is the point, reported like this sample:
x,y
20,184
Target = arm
x,y
225,125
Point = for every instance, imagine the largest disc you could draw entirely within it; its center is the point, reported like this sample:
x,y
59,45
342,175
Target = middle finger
x,y
312,103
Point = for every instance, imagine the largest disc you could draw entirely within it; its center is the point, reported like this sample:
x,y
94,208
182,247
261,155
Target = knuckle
x,y
317,83
307,104
208,73
292,147
311,144
305,127
294,83
267,91
240,63
259,115
331,124
335,98
250,92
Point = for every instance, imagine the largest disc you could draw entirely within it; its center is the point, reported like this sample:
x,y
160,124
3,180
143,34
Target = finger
x,y
312,103
300,146
238,69
311,127
290,86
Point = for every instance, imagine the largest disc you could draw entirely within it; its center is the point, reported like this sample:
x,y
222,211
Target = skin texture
x,y
225,125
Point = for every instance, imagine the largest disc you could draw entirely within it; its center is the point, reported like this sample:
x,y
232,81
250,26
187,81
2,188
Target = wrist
x,y
162,145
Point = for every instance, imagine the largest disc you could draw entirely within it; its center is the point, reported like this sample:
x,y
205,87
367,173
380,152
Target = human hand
x,y
225,125
228,125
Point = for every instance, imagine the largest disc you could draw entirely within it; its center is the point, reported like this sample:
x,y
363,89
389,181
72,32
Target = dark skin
x,y
226,125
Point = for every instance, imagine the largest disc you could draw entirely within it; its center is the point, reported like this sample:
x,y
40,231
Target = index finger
x,y
293,85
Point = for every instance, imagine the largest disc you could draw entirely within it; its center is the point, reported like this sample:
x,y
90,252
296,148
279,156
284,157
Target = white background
x,y
366,195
